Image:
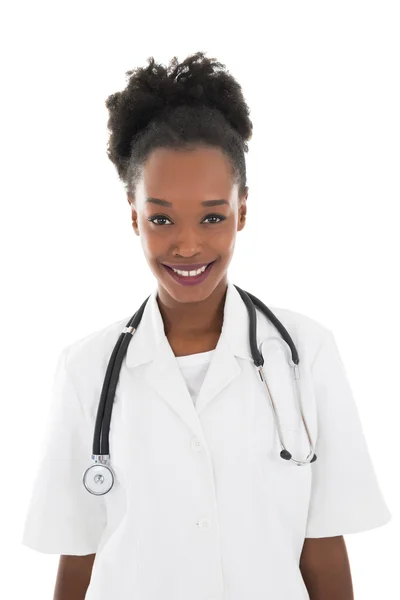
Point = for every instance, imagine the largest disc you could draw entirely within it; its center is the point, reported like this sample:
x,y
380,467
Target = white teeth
x,y
190,273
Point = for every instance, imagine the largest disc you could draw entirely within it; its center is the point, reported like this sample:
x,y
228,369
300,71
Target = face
x,y
186,211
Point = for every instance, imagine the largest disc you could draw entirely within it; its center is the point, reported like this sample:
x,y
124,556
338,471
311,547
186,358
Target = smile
x,y
190,277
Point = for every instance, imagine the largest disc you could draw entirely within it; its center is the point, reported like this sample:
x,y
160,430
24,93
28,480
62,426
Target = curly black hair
x,y
183,106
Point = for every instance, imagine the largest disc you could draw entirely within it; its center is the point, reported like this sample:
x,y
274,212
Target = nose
x,y
188,242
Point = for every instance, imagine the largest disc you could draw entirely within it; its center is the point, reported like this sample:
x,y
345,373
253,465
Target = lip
x,y
195,280
193,267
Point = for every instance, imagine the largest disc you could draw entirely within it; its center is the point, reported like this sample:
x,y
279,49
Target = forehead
x,y
202,171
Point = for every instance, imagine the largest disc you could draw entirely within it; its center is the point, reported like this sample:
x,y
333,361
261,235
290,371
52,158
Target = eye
x,y
220,217
161,217
155,218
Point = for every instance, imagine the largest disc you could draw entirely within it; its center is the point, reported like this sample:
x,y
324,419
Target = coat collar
x,y
234,333
162,374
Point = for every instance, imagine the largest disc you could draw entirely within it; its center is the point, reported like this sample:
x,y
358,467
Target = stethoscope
x,y
98,479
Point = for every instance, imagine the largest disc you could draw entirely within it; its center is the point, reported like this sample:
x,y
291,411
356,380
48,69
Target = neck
x,y
186,320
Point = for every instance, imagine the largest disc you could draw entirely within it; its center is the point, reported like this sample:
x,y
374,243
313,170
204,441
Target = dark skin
x,y
186,231
73,577
325,568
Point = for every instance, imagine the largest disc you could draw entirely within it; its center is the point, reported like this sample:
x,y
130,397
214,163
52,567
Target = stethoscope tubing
x,y
103,419
101,470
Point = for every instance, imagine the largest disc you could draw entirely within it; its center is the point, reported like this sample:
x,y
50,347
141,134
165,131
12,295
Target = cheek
x,y
152,242
225,239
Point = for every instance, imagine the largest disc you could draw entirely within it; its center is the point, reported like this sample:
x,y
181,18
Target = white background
x,y
322,82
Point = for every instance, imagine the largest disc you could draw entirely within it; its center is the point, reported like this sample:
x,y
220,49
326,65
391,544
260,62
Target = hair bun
x,y
197,91
154,91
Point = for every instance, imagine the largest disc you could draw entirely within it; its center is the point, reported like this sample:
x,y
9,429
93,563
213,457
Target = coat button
x,y
204,523
195,444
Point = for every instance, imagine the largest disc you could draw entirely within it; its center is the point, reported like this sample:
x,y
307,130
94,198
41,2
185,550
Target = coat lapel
x,y
162,374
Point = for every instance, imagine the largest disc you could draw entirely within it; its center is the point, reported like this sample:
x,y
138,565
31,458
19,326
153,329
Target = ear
x,y
242,210
132,203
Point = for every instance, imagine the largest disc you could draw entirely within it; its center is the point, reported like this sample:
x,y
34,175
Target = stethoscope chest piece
x,y
98,479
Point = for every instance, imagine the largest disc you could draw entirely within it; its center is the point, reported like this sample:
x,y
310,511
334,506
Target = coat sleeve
x,y
345,494
63,517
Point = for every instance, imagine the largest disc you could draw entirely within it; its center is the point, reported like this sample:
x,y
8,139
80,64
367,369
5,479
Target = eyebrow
x,y
204,203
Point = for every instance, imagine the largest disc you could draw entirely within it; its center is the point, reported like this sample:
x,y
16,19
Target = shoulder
x,y
297,321
91,353
307,333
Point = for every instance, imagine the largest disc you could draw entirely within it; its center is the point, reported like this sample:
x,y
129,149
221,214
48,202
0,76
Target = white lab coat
x,y
203,507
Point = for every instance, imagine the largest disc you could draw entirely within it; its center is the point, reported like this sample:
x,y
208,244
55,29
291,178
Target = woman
x,y
202,506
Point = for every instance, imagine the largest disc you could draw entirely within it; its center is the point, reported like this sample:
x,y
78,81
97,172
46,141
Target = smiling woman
x,y
177,139
186,236
201,504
